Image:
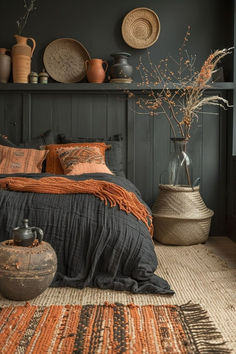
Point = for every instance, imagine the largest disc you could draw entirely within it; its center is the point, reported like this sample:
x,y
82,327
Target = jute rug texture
x,y
196,273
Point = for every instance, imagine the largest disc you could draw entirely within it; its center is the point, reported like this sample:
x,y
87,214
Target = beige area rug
x,y
200,273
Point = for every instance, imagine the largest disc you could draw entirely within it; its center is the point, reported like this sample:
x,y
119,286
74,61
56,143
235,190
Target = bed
x,y
102,238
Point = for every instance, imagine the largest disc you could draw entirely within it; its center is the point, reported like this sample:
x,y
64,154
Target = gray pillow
x,y
41,140
6,142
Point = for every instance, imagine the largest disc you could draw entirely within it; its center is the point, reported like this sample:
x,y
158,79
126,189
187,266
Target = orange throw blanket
x,y
106,191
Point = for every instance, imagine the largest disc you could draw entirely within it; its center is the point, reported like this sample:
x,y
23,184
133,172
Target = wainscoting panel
x,y
147,146
11,116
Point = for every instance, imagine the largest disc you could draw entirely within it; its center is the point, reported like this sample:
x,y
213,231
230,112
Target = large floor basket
x,y
180,216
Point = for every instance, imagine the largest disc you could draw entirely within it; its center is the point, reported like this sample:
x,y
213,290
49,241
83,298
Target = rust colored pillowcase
x,y
53,164
15,160
83,159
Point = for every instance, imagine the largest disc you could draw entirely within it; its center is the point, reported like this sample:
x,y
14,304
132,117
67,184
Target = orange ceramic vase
x,y
95,70
21,59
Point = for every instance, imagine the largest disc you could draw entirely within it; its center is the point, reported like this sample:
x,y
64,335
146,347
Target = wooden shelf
x,y
90,87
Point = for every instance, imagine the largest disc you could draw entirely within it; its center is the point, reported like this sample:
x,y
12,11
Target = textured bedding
x,y
97,245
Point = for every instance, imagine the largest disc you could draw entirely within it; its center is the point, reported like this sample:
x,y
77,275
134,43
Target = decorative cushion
x,y
114,157
39,141
82,159
16,160
5,141
53,164
34,143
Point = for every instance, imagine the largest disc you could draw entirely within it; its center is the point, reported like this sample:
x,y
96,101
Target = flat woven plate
x,y
64,60
140,28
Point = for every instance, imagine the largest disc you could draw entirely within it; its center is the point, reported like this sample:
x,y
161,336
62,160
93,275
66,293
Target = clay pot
x,y
5,65
21,59
121,69
25,272
95,71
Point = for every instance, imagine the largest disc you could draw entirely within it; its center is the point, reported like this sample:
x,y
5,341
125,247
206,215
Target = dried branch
x,y
21,23
182,90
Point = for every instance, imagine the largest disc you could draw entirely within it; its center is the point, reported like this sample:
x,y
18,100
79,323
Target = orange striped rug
x,y
108,328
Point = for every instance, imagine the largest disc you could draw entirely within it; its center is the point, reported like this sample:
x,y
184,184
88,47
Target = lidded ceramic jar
x,y
33,77
43,77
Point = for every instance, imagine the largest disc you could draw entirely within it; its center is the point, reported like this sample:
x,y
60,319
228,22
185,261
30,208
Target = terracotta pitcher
x,y
95,70
21,58
5,65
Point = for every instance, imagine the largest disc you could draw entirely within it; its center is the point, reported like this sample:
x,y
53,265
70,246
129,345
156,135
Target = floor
x,y
203,273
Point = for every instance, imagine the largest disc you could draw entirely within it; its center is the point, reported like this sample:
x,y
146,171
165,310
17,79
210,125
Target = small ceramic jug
x,y
5,65
95,71
25,235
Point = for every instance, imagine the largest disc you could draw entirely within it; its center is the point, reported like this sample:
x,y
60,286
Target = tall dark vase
x,y
121,70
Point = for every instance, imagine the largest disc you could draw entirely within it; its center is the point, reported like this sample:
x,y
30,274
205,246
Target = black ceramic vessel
x,y
121,69
25,235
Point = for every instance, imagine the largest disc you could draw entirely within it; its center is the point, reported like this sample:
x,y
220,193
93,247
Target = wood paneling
x,y
146,138
11,116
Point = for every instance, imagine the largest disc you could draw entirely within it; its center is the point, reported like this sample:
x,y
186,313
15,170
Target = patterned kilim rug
x,y
108,328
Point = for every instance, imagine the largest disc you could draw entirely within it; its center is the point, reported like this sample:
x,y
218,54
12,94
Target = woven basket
x,y
180,216
140,28
64,60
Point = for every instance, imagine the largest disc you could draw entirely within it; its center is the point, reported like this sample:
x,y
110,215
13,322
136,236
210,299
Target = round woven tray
x,y
180,216
140,28
64,60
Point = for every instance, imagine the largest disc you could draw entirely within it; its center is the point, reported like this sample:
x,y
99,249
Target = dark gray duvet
x,y
96,245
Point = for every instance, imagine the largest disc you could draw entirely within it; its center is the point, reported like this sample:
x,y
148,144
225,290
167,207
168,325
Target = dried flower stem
x,y
23,20
181,91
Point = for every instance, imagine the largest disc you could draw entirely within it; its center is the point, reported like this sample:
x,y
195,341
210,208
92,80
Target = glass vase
x,y
180,164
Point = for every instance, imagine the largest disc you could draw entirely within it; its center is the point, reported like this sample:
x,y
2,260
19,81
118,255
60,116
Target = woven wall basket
x,y
140,28
180,216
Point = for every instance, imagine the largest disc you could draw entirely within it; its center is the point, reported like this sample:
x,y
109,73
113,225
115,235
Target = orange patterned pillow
x,y
82,159
15,160
53,164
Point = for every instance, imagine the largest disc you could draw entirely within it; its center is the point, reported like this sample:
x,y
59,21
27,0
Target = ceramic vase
x,y
96,73
5,65
21,59
121,69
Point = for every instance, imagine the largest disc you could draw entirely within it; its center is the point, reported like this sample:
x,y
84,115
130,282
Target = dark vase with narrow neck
x,y
180,164
121,69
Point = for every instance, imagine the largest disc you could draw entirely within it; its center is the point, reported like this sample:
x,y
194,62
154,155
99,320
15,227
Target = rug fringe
x,y
204,334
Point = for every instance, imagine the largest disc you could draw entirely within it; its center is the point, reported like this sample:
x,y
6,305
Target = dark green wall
x,y
96,24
